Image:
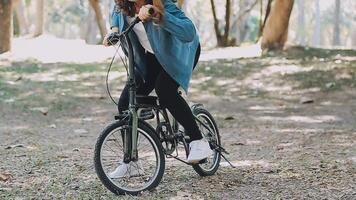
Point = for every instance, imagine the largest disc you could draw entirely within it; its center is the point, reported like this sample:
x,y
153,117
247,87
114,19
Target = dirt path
x,y
51,114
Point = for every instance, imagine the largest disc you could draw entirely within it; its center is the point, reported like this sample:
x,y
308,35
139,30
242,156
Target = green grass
x,y
82,68
325,80
17,85
25,93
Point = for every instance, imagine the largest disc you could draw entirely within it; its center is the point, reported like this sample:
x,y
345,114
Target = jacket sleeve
x,y
116,18
175,22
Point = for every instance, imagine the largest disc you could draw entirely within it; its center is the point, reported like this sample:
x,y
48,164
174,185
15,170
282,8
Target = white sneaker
x,y
198,150
127,170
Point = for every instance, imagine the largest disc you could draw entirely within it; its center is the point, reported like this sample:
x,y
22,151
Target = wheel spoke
x,y
138,175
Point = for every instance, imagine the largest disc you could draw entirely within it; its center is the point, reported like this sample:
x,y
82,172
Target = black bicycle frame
x,y
130,138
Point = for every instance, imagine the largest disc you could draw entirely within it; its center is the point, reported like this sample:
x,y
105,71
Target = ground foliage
x,y
287,118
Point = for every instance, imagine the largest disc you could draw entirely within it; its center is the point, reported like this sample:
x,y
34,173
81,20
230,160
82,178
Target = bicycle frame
x,y
130,144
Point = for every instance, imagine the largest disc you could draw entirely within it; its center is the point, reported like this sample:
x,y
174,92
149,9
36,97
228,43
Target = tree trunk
x,y
216,23
353,36
336,37
5,25
222,39
240,19
268,10
39,18
301,23
23,23
99,17
317,32
20,15
91,31
275,31
227,23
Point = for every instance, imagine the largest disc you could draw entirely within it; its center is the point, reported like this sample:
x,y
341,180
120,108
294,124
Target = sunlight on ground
x,y
232,52
303,119
248,163
49,49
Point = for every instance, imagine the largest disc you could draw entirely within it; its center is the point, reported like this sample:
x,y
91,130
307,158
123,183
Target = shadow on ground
x,y
288,120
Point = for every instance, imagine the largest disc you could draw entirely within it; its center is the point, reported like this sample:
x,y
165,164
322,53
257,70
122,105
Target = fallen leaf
x,y
80,131
19,78
63,156
52,126
14,146
43,110
5,177
237,143
306,100
229,118
330,85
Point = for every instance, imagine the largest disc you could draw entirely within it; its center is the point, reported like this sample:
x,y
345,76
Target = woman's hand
x,y
105,40
144,14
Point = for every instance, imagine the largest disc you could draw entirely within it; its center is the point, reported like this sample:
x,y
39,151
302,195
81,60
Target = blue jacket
x,y
174,42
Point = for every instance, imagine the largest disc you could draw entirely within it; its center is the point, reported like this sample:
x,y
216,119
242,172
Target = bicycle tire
x,y
217,156
150,134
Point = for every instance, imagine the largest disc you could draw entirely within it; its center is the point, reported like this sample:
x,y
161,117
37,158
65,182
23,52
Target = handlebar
x,y
113,38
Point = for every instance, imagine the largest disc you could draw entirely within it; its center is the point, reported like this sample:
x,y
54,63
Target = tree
x,y
317,32
336,37
301,23
39,18
353,34
222,38
275,30
5,25
99,17
239,20
20,16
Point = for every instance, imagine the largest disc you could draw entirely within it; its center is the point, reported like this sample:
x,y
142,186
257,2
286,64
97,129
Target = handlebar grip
x,y
151,11
113,39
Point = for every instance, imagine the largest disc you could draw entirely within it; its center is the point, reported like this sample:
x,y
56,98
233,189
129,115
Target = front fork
x,y
131,136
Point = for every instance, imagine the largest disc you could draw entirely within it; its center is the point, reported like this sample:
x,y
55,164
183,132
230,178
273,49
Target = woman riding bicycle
x,y
166,48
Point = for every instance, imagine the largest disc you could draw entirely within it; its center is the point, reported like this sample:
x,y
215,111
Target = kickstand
x,y
227,161
222,150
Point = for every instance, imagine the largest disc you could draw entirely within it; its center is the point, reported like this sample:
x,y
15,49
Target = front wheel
x,y
210,132
109,155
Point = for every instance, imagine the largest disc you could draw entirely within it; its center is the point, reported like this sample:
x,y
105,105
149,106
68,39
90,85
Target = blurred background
x,y
317,23
279,77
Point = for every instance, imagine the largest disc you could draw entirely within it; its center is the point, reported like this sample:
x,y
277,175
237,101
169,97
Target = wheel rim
x,y
112,154
213,160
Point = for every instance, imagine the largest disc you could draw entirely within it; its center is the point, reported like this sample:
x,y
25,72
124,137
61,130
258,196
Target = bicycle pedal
x,y
203,161
199,162
146,115
120,116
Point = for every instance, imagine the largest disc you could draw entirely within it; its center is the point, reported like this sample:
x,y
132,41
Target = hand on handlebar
x,y
110,39
146,12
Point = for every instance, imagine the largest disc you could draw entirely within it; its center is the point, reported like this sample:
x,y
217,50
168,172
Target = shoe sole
x,y
195,162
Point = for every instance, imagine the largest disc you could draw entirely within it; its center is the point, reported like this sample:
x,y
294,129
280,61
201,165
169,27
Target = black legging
x,y
167,92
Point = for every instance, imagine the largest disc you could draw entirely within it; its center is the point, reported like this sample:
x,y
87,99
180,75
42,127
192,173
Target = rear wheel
x,y
211,133
109,154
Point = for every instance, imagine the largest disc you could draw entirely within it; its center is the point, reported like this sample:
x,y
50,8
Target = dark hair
x,y
126,6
